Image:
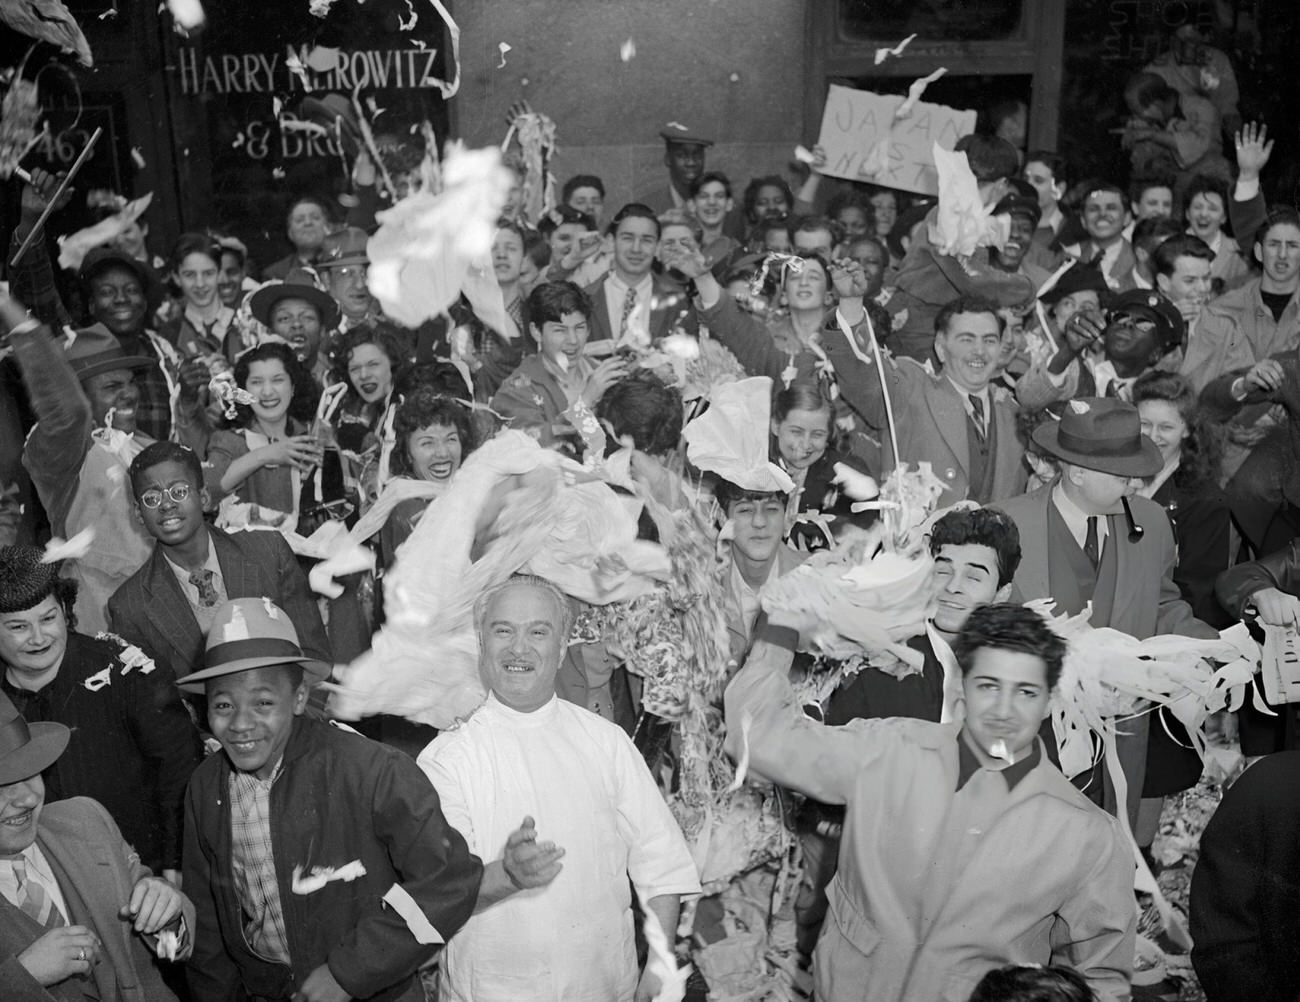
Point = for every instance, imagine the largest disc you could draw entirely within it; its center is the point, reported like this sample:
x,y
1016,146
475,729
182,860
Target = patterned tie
x,y
977,412
33,900
1090,548
202,580
629,304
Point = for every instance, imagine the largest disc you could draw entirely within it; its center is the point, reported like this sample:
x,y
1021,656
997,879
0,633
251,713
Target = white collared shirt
x,y
1076,520
39,870
638,321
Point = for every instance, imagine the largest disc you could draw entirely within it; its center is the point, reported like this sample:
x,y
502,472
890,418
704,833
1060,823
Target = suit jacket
x,y
930,419
671,306
1147,601
151,608
96,871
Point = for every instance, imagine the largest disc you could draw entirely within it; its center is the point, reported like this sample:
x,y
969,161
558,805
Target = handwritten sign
x,y
856,123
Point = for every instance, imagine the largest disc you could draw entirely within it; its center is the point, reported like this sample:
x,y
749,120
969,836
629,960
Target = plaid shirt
x,y
153,414
254,864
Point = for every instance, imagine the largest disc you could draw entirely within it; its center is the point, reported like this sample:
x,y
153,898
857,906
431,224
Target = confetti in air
x,y
999,750
504,47
188,14
627,51
897,50
68,549
137,157
804,155
915,91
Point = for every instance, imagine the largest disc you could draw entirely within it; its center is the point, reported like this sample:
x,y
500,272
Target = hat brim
x,y
1146,462
263,301
342,262
314,671
48,741
112,365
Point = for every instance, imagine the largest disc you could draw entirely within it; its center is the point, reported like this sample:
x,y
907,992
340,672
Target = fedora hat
x,y
296,286
95,350
346,247
251,633
99,258
27,749
1099,433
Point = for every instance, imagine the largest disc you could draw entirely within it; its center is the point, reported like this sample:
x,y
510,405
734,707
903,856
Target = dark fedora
x,y
98,259
95,350
27,750
1099,433
296,286
346,247
251,633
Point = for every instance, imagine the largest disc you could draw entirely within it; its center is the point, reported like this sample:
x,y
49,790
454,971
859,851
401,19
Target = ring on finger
x,y
81,954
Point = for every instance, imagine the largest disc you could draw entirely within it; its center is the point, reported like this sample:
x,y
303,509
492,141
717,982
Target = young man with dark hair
x,y
952,418
814,235
169,603
711,202
320,863
1104,217
1266,307
1049,174
1214,343
575,242
586,193
632,305
942,819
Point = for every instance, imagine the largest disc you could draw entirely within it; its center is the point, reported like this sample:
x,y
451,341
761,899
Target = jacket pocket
x,y
854,927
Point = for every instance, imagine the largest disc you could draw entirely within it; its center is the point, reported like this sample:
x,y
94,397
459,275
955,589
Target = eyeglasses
x,y
1137,323
154,498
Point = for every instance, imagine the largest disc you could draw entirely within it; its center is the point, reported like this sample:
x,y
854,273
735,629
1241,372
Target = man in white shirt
x,y
527,752
72,892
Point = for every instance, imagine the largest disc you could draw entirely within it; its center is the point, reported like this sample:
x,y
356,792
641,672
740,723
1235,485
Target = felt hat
x,y
1148,304
250,633
1102,434
687,137
99,258
25,579
27,750
297,285
95,350
346,247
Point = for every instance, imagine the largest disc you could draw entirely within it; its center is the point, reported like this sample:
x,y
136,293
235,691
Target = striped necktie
x,y
629,304
33,900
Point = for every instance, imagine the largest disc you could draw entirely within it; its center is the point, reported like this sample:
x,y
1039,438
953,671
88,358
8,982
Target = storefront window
x,y
934,20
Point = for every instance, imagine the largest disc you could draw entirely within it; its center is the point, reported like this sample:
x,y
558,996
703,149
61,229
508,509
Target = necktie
x,y
202,580
1090,549
977,412
33,900
1113,390
629,304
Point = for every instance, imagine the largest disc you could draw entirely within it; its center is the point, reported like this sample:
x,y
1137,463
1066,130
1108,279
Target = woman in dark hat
x,y
133,745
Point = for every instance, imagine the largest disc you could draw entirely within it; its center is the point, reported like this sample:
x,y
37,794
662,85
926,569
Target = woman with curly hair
x,y
356,410
262,457
767,197
434,434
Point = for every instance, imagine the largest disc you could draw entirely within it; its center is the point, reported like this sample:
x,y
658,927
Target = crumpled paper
x,y
731,437
309,883
74,248
427,243
962,223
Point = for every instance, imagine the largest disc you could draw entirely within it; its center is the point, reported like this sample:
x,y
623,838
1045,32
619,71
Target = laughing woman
x,y
262,460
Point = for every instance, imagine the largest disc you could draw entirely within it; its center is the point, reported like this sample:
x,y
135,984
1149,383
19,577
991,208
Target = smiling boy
x,y
291,798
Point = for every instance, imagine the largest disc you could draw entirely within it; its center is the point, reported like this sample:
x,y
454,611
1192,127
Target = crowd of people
x,y
576,513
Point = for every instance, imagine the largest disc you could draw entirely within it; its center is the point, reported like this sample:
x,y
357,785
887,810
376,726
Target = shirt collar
x,y
1076,519
968,764
642,287
210,564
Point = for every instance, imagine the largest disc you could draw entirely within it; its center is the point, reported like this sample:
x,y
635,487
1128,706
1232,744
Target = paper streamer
x,y
322,875
421,928
897,50
662,962
742,766
915,91
68,549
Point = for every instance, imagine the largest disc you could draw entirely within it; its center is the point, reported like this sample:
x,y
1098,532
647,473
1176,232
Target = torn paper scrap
x,y
804,155
897,50
504,47
915,91
627,51
421,928
168,945
322,875
68,549
100,679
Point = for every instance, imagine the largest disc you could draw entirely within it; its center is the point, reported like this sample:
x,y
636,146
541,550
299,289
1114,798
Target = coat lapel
x,y
242,576
169,610
1033,571
84,871
950,418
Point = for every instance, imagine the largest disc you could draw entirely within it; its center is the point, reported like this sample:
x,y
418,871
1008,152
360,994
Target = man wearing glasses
x,y
169,603
1141,327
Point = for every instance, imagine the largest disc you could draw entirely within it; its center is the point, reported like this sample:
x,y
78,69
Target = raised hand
x,y
1253,150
